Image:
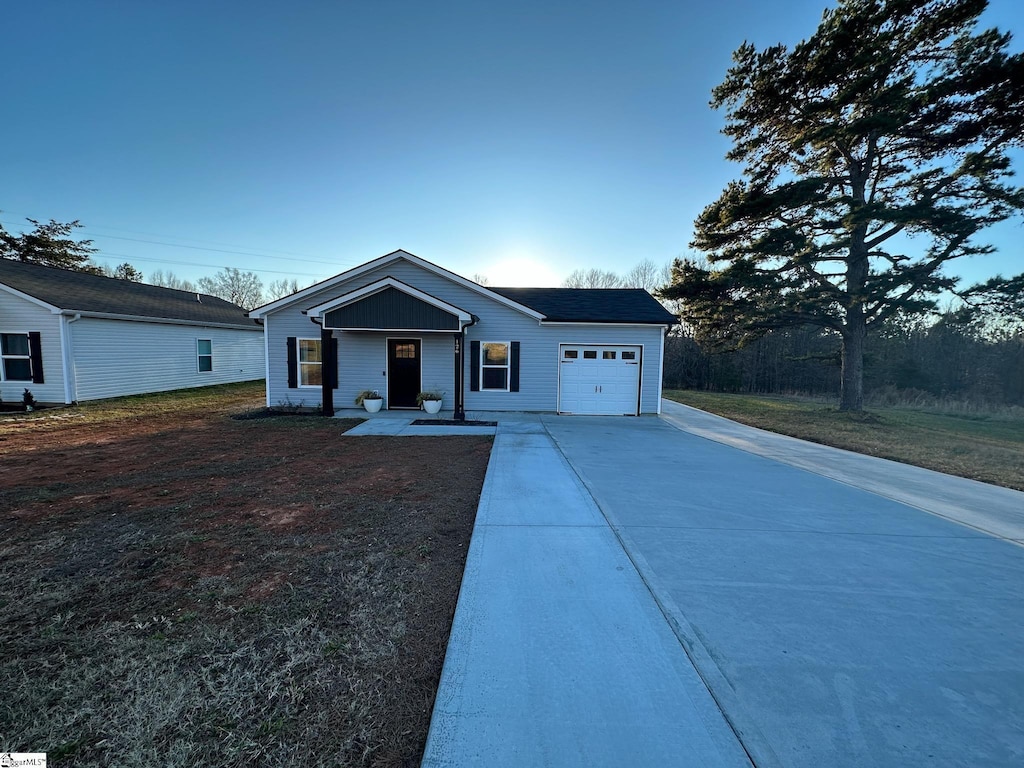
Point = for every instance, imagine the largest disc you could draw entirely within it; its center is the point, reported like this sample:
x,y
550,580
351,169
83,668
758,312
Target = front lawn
x,y
181,588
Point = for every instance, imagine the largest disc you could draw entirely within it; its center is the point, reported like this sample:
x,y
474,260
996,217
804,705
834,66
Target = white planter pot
x,y
372,406
431,406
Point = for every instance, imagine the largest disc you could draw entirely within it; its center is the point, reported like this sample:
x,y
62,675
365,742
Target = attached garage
x,y
601,380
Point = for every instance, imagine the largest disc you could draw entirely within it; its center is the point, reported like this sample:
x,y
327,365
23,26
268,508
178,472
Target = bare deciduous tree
x,y
592,278
278,289
231,284
170,280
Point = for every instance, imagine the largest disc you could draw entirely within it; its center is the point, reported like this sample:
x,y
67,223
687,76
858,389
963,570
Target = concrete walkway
x,y
400,423
559,654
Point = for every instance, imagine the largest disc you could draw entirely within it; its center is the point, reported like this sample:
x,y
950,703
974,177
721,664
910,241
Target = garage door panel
x,y
599,379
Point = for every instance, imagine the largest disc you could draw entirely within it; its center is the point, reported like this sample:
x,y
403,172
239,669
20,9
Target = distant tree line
x,y
962,356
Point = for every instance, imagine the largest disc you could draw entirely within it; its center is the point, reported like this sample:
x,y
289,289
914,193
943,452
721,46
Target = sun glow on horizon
x,y
520,272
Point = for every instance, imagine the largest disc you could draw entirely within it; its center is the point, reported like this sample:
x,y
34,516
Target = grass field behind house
x,y
179,587
982,446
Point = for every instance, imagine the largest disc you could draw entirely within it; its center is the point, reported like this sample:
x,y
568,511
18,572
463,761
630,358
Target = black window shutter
x,y
35,352
474,366
333,372
513,368
293,363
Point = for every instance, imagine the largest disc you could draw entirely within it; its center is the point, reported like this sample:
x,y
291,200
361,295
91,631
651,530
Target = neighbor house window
x,y
204,348
14,353
310,363
494,365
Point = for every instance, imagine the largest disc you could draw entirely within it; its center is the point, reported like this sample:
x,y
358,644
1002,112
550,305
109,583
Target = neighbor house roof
x,y
70,291
591,305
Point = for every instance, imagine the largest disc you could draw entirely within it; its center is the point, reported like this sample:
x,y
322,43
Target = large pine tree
x,y
874,153
51,245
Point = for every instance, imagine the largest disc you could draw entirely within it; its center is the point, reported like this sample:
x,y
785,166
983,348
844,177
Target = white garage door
x,y
601,380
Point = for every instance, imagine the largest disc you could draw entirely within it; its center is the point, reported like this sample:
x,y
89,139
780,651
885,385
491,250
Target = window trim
x,y
200,355
507,366
299,362
4,356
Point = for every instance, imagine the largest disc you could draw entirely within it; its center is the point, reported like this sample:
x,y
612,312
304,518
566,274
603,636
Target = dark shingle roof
x,y
82,292
591,305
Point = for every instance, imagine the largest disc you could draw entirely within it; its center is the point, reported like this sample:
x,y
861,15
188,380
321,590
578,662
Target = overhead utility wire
x,y
85,231
199,264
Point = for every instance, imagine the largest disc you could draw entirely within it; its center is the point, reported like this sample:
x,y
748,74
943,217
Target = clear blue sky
x,y
518,140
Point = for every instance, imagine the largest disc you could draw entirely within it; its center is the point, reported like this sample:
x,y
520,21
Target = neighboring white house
x,y
70,336
401,325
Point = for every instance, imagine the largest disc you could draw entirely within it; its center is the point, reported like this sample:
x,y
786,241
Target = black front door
x,y
403,372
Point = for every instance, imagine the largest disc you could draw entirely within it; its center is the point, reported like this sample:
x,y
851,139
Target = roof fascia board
x,y
382,261
393,330
27,297
160,320
606,325
380,285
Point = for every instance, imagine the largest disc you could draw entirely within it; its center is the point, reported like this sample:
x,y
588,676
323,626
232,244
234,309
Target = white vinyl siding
x,y
362,356
122,357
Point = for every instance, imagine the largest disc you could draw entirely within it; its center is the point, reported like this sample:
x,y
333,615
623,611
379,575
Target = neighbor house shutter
x,y
333,372
35,351
293,363
474,366
513,368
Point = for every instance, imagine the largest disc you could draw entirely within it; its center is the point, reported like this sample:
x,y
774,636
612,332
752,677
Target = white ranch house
x,y
401,325
70,336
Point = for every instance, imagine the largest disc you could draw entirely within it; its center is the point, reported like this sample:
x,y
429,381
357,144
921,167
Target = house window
x,y
571,354
310,363
204,349
590,354
608,354
494,366
14,353
628,355
405,351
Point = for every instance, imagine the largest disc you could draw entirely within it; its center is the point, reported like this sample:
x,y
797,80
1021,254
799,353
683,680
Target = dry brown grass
x,y
180,588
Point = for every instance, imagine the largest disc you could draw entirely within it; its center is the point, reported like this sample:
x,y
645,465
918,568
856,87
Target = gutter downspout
x,y
266,355
68,359
661,367
460,370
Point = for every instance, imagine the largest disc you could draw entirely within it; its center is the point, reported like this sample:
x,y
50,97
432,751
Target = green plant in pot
x,y
430,400
370,399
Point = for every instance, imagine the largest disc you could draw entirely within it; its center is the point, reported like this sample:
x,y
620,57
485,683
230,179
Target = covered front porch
x,y
394,339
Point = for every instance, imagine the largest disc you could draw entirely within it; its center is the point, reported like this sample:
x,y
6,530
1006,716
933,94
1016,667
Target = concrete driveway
x,y
833,626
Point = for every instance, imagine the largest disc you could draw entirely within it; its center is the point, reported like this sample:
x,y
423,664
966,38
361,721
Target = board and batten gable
x,y
362,362
122,357
20,315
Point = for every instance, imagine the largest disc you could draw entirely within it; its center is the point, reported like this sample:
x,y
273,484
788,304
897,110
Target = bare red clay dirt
x,y
236,524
